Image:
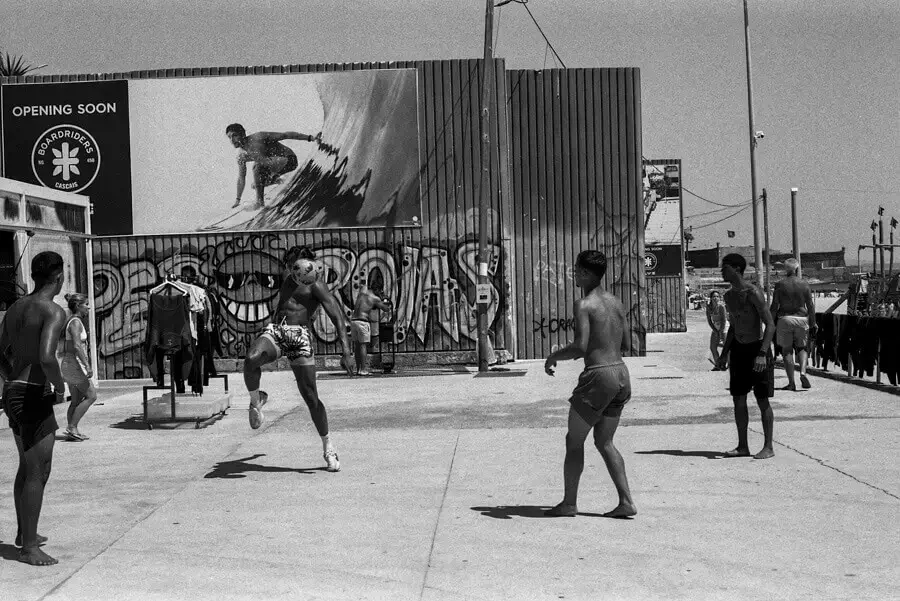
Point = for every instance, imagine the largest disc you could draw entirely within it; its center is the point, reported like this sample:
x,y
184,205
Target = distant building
x,y
819,268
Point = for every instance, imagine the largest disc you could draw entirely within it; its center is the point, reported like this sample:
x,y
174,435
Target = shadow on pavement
x,y
680,453
506,512
238,468
135,422
9,552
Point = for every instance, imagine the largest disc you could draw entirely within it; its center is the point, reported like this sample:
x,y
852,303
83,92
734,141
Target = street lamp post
x,y
757,248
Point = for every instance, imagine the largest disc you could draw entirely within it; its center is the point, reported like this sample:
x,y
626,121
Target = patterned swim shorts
x,y
293,342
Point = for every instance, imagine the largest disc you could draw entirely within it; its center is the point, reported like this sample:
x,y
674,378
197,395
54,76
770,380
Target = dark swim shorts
x,y
743,378
269,176
29,408
602,391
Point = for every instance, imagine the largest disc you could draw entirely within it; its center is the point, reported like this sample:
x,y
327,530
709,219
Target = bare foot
x,y
737,452
40,540
36,557
562,511
765,453
622,510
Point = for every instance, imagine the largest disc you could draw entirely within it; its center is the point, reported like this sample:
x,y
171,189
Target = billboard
x,y
310,150
72,137
662,218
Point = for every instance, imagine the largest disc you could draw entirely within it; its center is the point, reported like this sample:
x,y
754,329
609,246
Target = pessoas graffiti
x,y
430,288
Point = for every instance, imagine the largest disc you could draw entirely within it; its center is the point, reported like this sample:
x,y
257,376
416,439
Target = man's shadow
x,y
507,512
9,552
680,453
239,467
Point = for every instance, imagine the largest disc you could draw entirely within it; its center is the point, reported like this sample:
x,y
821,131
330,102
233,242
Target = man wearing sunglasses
x,y
289,336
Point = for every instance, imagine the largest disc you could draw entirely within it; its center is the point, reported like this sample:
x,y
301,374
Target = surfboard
x,y
235,218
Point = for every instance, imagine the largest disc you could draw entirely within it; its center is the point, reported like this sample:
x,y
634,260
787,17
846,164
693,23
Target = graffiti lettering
x,y
553,325
431,288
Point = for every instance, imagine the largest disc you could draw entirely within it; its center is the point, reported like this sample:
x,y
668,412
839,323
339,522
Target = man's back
x,y
743,307
607,327
791,295
24,324
365,302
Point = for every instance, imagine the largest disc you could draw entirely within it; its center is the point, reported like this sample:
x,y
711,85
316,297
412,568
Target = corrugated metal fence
x,y
575,148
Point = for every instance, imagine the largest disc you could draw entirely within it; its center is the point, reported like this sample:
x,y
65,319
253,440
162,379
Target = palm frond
x,y
14,66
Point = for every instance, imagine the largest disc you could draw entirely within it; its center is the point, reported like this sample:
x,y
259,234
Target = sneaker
x,y
791,387
256,414
804,381
332,463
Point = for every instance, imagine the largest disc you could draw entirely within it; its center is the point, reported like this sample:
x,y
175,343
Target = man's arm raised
x,y
291,135
333,308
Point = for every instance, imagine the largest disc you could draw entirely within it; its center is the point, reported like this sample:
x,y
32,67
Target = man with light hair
x,y
795,314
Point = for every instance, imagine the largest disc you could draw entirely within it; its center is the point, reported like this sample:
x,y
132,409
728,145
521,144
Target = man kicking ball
x,y
271,159
289,335
603,387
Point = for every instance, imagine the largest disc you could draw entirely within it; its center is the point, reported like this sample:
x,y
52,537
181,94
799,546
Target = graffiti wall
x,y
431,285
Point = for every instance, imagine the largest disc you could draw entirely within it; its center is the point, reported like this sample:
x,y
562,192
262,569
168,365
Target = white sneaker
x,y
256,415
332,463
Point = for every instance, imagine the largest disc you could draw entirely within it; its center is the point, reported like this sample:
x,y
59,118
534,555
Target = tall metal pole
x,y
881,238
767,259
757,248
485,204
795,238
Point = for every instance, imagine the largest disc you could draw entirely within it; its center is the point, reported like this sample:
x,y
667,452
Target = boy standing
x,y
749,354
603,387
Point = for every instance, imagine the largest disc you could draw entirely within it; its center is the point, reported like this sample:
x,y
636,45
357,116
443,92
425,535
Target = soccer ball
x,y
308,272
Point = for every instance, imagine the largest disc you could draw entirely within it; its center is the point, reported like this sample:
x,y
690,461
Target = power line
x,y
694,194
709,212
524,3
697,227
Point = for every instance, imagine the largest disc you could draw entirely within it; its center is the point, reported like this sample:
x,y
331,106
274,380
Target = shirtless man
x,y
289,335
603,387
271,159
748,353
34,384
360,328
795,316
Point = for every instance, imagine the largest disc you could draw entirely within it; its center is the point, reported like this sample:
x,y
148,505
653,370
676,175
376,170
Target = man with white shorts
x,y
795,313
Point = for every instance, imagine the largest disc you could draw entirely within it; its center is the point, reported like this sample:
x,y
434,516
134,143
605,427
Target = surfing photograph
x,y
273,152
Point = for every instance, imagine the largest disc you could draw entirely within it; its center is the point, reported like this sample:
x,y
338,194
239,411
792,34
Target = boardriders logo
x,y
66,157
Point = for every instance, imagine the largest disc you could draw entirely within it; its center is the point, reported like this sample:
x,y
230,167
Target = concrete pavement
x,y
443,484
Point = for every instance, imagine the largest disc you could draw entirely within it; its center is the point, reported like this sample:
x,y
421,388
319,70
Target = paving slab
x,y
444,480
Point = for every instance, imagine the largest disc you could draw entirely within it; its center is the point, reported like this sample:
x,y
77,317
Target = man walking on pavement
x,y
795,314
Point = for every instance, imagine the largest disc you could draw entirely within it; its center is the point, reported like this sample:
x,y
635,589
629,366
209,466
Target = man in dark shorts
x,y
794,311
29,367
289,335
603,387
361,327
748,352
271,159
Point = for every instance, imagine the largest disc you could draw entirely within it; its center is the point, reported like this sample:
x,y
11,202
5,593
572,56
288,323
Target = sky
x,y
825,79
